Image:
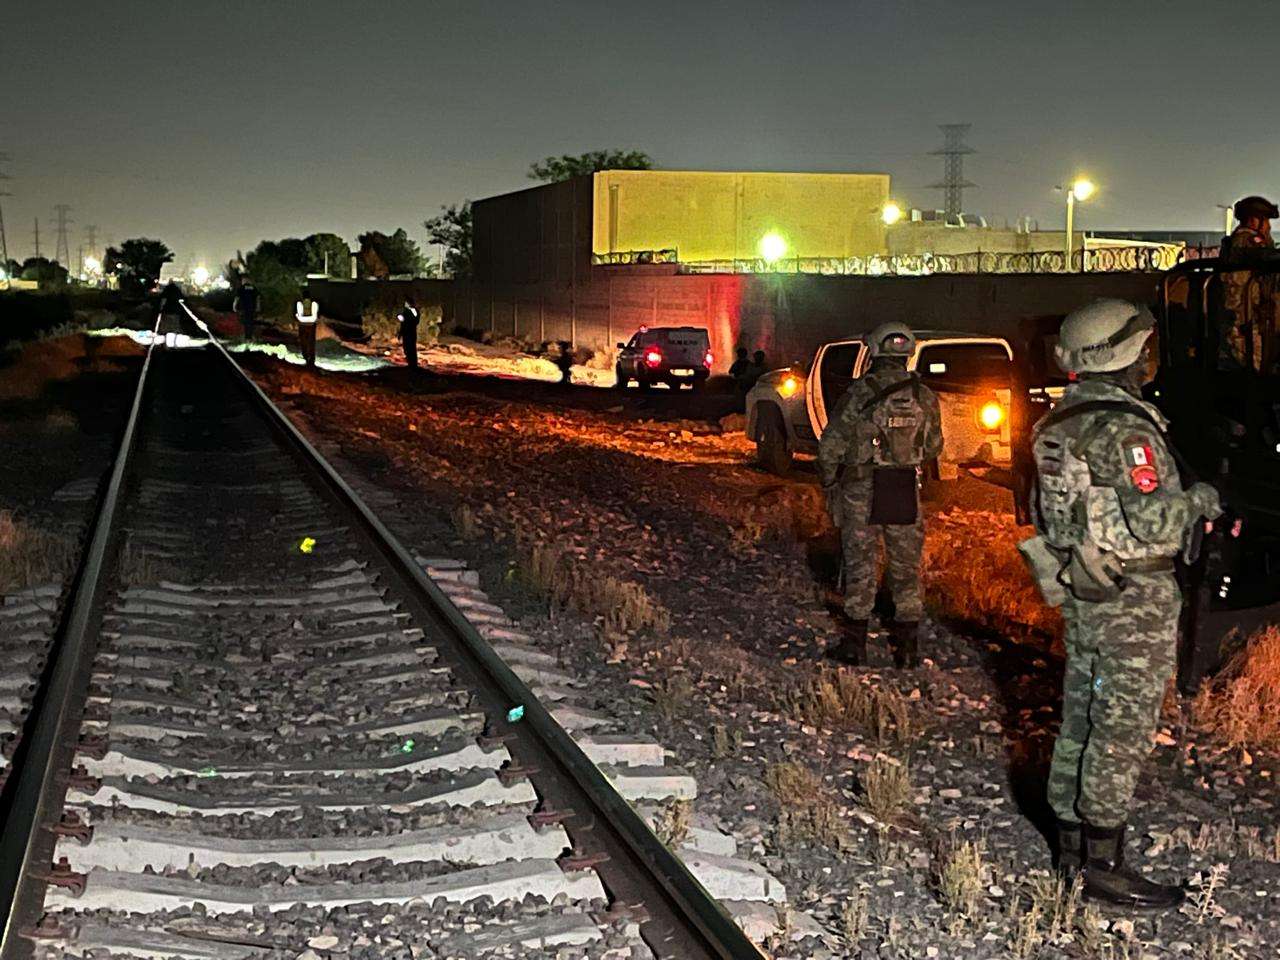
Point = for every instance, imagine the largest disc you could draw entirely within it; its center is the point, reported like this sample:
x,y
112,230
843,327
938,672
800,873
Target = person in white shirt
x,y
307,312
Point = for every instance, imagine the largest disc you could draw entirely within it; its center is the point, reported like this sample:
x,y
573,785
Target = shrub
x,y
1242,704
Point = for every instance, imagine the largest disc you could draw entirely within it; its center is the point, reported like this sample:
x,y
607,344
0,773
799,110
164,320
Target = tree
x,y
137,263
452,230
329,254
47,273
396,254
555,169
278,284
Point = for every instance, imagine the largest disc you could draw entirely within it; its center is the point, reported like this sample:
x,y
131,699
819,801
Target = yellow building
x,y
706,215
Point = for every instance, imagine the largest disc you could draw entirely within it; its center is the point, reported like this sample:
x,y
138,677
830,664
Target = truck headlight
x,y
788,386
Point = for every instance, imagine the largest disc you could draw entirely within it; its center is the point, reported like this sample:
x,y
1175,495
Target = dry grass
x,y
1241,706
886,789
854,916
961,874
137,566
30,556
672,696
810,811
672,822
839,699
974,573
572,582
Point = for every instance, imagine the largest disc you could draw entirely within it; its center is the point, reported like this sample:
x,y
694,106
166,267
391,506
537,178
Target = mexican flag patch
x,y
1141,461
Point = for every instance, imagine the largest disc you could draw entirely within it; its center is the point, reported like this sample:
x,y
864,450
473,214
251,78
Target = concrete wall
x,y
708,215
788,316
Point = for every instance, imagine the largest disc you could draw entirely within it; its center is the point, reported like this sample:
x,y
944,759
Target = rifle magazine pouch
x,y
894,499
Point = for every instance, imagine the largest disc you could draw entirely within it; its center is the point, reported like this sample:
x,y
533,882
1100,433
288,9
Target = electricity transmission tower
x,y
952,184
91,235
37,219
62,249
4,242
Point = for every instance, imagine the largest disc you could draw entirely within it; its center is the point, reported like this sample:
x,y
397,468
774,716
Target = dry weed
x,y
886,789
465,522
960,876
1241,706
720,746
670,696
137,565
1202,898
838,699
30,556
810,811
672,822
854,915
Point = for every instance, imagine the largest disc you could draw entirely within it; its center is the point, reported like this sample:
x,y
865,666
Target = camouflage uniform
x,y
850,504
1120,651
1242,339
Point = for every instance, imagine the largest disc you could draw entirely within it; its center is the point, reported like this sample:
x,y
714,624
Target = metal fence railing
x,y
1094,260
628,257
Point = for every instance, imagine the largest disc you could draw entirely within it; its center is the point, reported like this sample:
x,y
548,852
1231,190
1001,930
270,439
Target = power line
x,y
953,183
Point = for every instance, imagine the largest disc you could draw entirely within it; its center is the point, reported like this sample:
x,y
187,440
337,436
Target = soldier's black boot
x,y
1107,880
905,636
852,648
1068,848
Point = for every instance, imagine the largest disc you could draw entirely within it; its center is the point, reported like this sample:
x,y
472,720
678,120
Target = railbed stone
x,y
109,889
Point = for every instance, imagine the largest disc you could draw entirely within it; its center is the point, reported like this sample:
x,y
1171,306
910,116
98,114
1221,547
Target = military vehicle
x,y
1218,326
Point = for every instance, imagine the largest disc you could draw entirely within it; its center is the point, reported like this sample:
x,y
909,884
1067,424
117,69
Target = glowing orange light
x,y
788,386
991,415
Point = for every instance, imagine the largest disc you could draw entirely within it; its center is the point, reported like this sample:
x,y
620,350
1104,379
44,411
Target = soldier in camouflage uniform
x,y
1111,515
880,433
1241,340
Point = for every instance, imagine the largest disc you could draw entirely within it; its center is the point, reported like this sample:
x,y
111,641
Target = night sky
x,y
214,125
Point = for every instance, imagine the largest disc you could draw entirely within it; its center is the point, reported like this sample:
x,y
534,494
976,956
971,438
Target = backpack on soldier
x,y
891,431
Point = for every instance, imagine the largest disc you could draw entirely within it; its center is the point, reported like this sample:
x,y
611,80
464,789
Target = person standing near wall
x,y
307,313
246,306
409,317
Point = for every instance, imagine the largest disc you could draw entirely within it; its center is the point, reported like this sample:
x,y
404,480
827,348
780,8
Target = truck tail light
x,y
653,357
706,361
990,416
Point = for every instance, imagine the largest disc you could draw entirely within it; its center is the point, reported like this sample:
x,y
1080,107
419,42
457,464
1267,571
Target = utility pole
x,y
952,184
4,243
91,232
62,249
37,238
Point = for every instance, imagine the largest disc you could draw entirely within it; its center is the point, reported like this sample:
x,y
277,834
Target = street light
x,y
772,247
890,213
1228,217
200,275
1081,189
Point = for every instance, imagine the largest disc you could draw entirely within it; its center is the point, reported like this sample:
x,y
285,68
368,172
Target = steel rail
x,y
686,922
41,764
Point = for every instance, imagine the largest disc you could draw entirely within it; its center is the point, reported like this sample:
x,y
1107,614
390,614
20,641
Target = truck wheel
x,y
645,385
771,443
622,379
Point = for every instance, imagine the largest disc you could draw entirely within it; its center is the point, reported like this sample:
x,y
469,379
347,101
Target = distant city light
x,y
1083,189
891,213
3,275
772,247
200,276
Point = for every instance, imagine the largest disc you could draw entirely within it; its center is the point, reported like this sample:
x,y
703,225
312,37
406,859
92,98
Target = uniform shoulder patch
x,y
1140,459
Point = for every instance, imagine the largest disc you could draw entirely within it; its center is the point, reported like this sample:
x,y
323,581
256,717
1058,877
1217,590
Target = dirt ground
x,y
899,807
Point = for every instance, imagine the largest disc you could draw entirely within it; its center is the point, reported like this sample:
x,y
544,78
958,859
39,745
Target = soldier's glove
x,y
1206,500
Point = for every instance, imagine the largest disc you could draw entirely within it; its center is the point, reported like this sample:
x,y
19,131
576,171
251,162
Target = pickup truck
x,y
973,376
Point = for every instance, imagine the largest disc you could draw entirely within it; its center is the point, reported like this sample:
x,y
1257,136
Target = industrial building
x,y
556,232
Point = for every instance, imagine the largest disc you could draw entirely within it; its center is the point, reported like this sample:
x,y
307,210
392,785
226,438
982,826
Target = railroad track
x,y
261,728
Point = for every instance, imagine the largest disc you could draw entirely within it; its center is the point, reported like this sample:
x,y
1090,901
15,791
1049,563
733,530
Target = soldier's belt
x,y
1147,565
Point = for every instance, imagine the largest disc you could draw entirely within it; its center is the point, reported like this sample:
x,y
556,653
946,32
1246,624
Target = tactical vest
x,y
1070,510
891,431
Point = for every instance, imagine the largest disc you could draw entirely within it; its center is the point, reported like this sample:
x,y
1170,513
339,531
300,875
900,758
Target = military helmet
x,y
892,340
1103,336
1255,207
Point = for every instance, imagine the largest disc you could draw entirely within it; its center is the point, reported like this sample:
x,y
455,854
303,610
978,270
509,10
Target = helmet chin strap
x,y
1131,379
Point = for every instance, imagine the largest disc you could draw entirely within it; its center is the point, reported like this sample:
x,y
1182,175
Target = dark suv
x,y
670,355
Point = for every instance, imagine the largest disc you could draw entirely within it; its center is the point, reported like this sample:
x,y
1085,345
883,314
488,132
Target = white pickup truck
x,y
972,375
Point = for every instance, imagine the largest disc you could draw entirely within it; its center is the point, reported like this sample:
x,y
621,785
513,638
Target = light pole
x,y
1227,211
1081,190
